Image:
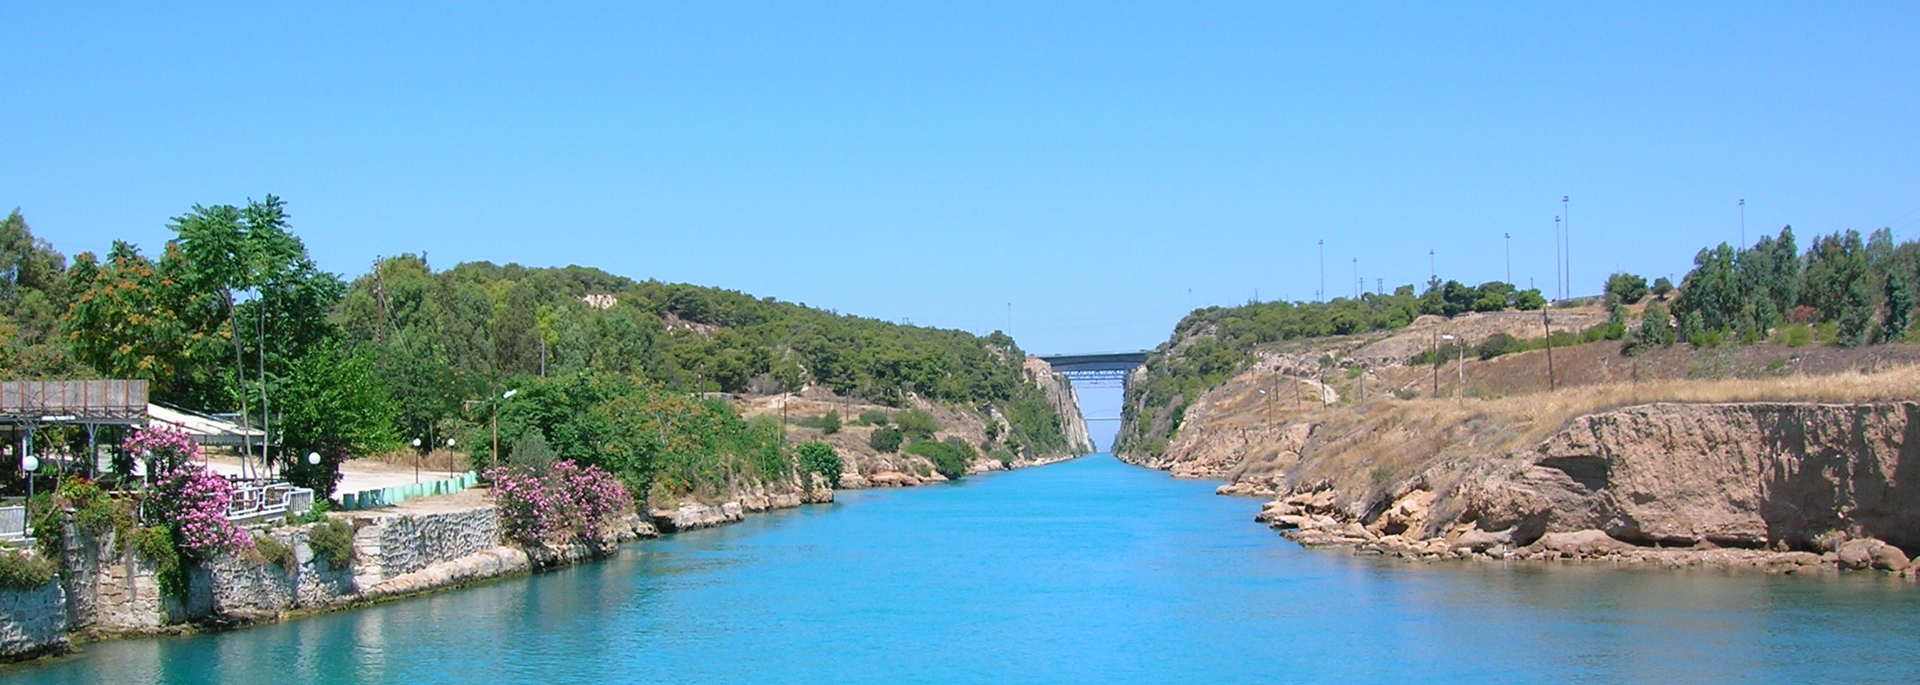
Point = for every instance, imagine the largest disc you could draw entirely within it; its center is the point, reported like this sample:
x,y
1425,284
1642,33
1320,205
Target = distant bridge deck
x,y
1098,366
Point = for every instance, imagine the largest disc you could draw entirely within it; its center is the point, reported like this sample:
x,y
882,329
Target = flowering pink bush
x,y
162,447
566,503
193,502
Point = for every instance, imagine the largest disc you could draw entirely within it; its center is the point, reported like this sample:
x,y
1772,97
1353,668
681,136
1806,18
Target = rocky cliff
x,y
1060,393
1783,475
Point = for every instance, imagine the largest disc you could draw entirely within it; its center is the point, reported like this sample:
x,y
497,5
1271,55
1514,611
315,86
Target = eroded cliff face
x,y
1785,486
1745,475
1060,393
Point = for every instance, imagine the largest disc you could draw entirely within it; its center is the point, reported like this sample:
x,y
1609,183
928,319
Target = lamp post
x,y
449,455
496,424
1436,365
29,464
1559,272
1509,238
416,460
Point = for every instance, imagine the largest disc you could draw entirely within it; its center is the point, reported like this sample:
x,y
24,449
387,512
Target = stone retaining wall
x,y
392,545
33,622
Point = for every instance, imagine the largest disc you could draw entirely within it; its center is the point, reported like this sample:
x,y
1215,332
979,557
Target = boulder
x,y
1478,541
1890,558
1585,543
1858,554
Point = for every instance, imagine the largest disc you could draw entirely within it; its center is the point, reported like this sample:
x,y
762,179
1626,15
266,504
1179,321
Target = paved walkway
x,y
355,475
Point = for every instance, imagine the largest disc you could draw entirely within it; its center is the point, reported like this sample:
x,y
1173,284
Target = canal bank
x,y
1088,571
109,589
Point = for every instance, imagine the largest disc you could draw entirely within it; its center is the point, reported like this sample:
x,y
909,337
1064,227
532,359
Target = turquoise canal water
x,y
1085,572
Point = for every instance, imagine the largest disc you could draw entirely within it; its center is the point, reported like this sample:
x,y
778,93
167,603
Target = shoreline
x,y
1310,522
489,564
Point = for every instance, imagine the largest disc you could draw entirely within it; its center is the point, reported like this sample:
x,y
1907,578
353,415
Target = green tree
x,y
1529,300
1900,303
132,318
1625,288
331,401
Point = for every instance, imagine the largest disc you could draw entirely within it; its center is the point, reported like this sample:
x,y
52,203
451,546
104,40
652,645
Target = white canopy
x,y
203,429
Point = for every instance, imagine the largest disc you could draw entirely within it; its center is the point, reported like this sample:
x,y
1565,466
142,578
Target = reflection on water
x,y
1090,571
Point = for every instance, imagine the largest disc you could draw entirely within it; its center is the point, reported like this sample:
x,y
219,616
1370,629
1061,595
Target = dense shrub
x,y
875,417
160,545
820,457
885,439
916,423
24,571
947,459
1498,344
272,551
567,503
192,502
830,423
161,447
333,540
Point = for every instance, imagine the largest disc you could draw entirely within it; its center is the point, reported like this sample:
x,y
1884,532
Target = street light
x,y
496,424
29,464
313,458
1323,269
416,460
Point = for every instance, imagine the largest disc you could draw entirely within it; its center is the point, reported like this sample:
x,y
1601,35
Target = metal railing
x,y
13,524
269,502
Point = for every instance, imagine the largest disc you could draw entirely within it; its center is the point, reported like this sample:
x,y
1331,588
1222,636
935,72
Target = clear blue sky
x,y
1088,163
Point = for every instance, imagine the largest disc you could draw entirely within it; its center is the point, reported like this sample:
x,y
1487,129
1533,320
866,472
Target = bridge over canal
x,y
1098,369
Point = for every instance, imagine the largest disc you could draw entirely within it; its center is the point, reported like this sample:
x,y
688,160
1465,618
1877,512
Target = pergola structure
x,y
25,406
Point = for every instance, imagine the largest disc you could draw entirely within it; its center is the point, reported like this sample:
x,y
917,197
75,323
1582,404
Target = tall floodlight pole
x,y
1559,262
1743,223
1433,273
1323,269
1509,239
1356,278
1566,212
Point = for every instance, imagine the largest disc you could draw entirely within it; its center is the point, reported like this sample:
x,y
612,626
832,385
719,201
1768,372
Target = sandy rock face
x,y
1745,475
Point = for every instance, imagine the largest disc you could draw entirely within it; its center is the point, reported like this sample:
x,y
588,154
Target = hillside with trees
x,y
232,315
1843,291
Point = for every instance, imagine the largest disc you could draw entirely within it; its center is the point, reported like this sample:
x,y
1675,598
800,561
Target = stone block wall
x,y
247,587
392,545
33,621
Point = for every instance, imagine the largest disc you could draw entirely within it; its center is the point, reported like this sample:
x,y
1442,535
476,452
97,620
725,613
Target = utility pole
x,y
1509,239
1436,363
1559,275
1356,278
1548,323
1567,211
1323,269
1433,273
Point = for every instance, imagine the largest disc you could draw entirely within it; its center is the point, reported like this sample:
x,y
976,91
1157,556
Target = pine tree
x,y
1893,326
